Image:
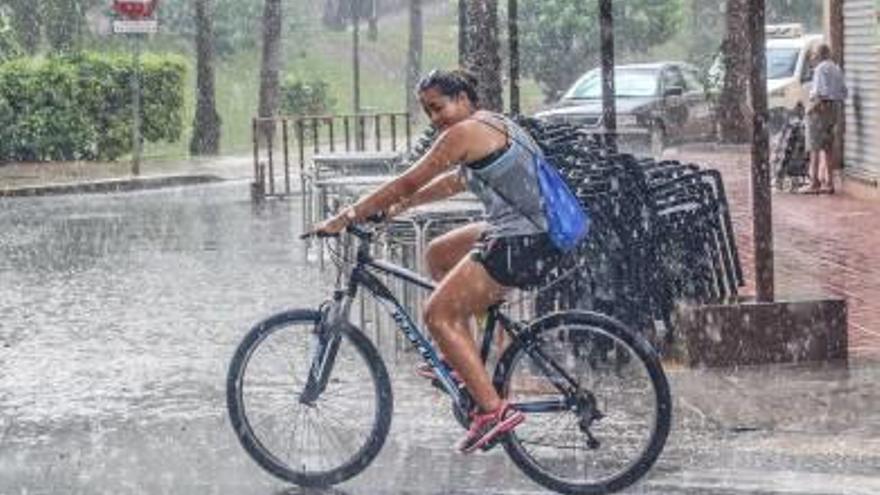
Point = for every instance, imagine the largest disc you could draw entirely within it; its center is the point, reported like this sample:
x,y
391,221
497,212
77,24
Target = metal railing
x,y
302,137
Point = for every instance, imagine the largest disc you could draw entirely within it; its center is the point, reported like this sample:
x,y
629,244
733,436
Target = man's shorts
x,y
523,262
821,124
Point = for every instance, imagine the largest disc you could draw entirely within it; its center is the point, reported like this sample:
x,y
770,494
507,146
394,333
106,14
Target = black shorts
x,y
523,262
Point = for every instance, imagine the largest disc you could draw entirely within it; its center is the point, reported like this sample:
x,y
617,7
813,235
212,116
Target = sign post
x,y
136,22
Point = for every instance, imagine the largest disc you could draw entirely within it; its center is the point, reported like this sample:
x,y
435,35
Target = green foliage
x,y
306,97
560,38
79,107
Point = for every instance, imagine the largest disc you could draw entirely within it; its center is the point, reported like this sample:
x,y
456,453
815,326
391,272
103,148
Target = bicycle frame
x,y
361,276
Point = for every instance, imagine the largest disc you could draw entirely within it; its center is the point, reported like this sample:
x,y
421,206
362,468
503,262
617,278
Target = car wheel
x,y
658,139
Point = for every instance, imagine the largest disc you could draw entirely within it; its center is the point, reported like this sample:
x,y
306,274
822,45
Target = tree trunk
x,y
270,85
414,56
462,32
64,20
734,110
26,22
482,56
206,126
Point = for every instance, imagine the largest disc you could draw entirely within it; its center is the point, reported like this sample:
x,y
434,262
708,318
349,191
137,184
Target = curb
x,y
109,186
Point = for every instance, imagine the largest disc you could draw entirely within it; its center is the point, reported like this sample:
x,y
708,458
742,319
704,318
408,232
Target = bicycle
x,y
591,426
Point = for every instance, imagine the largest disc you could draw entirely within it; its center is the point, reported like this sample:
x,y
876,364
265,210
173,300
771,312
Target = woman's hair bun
x,y
451,83
467,77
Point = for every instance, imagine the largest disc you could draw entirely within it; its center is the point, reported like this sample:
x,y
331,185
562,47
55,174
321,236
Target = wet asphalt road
x,y
119,313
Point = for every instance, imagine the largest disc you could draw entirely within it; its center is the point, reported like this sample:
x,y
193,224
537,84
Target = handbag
x,y
568,222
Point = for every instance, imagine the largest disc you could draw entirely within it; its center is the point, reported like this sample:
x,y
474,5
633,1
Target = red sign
x,y
135,9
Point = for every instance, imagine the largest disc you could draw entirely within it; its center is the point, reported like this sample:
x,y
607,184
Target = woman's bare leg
x,y
813,172
466,290
825,168
447,250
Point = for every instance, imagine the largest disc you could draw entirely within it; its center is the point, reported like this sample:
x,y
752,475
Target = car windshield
x,y
627,83
781,62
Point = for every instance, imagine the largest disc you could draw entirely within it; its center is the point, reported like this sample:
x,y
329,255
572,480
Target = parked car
x,y
657,104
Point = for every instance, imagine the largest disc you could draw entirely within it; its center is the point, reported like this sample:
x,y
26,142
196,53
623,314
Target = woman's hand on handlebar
x,y
337,223
331,226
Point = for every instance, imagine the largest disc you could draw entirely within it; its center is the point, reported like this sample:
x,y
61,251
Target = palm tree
x,y
270,84
733,107
482,51
414,56
206,125
26,22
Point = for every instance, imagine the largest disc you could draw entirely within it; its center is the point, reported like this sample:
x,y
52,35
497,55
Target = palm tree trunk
x,y
270,84
734,109
462,32
206,125
26,20
483,58
414,56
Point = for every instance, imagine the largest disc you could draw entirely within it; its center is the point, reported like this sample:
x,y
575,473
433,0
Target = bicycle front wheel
x,y
610,425
313,442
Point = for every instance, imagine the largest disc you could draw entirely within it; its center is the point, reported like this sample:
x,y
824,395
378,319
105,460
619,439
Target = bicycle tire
x,y
354,344
593,332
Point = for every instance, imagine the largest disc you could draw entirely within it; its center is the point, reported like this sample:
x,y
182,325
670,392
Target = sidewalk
x,y
66,177
825,245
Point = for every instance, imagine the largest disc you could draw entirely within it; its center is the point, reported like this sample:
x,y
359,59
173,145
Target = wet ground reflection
x,y
127,302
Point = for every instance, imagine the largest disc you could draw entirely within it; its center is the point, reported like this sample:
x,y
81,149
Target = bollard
x,y
258,187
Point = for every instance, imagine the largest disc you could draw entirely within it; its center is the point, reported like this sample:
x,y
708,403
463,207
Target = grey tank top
x,y
513,175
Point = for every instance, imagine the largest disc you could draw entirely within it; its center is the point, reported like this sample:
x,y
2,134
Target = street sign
x,y
135,9
137,20
135,27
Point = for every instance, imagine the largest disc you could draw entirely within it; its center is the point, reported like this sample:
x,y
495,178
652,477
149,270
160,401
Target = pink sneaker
x,y
486,428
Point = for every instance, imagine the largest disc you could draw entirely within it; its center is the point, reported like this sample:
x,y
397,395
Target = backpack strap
x,y
510,135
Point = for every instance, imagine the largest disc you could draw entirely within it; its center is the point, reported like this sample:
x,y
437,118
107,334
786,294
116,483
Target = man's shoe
x,y
487,428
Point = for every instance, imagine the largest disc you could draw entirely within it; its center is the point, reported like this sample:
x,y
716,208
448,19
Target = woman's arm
x,y
451,148
463,142
444,186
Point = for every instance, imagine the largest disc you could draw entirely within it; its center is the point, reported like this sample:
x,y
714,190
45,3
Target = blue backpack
x,y
568,222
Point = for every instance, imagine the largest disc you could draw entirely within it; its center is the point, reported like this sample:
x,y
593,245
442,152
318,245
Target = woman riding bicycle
x,y
475,265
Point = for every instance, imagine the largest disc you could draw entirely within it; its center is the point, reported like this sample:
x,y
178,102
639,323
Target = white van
x,y
789,74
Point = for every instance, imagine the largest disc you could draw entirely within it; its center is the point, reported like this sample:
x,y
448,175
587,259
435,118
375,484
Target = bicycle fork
x,y
327,335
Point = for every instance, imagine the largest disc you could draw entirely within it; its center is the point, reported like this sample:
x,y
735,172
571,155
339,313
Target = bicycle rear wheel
x,y
313,442
609,433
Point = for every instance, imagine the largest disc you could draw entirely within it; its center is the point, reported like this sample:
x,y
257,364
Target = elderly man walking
x,y
824,114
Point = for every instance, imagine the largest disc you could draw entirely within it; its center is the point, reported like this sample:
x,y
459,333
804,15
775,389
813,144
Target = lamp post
x,y
355,54
609,112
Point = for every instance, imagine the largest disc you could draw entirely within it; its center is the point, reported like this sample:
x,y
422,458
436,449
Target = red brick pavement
x,y
824,245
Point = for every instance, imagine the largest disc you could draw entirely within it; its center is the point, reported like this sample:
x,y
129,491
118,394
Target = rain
x,y
165,327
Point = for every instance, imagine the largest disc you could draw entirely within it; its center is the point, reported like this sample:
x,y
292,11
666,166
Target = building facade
x,y
861,54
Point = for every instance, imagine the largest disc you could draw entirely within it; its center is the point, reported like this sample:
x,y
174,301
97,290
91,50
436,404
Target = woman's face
x,y
443,110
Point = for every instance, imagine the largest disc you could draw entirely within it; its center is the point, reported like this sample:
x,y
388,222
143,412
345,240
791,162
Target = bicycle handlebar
x,y
353,229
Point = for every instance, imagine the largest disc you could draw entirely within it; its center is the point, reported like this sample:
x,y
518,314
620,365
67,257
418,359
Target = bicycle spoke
x,y
326,438
612,404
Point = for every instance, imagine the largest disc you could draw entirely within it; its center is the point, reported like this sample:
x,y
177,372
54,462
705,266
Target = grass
x,y
313,52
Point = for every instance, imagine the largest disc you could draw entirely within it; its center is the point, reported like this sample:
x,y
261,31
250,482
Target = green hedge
x,y
80,106
306,97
